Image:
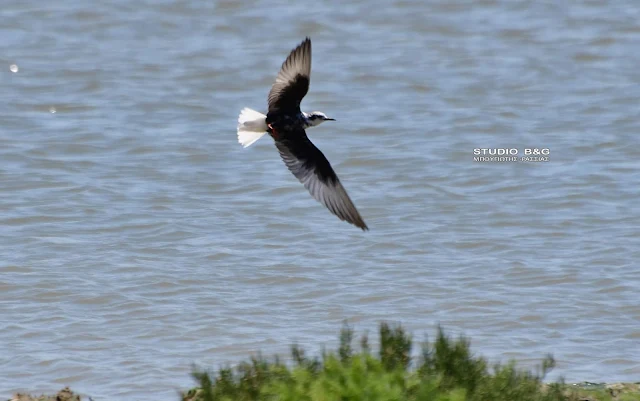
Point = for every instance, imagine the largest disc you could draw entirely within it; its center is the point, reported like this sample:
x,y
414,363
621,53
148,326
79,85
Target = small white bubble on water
x,y
13,68
52,110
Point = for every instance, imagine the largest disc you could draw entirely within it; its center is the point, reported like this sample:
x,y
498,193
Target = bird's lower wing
x,y
311,167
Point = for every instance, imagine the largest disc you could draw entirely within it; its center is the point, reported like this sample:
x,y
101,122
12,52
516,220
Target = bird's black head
x,y
317,118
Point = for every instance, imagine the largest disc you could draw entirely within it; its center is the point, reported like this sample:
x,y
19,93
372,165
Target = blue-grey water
x,y
137,237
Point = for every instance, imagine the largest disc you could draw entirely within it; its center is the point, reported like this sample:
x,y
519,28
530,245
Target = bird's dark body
x,y
285,123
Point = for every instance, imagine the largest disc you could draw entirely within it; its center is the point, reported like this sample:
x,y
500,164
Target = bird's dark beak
x,y
329,119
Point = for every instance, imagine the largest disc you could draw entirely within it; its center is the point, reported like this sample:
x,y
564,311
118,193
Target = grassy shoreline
x,y
445,371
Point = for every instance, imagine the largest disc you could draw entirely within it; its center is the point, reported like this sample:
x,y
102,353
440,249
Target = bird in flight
x,y
286,124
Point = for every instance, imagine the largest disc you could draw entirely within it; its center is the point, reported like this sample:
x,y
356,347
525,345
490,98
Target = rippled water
x,y
138,237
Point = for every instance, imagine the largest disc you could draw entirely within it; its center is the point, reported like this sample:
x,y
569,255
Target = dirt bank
x,y
63,395
587,392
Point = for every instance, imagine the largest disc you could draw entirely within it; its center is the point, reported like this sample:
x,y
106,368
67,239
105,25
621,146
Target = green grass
x,y
446,371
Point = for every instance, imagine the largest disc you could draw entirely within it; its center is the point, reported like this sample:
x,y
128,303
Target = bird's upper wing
x,y
292,82
312,168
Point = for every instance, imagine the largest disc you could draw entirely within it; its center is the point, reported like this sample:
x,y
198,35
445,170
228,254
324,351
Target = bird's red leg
x,y
274,134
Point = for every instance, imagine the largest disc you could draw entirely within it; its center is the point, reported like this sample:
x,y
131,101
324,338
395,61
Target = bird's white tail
x,y
252,125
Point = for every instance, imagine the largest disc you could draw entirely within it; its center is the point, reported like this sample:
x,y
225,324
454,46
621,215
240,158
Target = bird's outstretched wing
x,y
312,168
292,82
